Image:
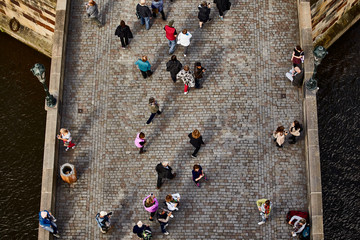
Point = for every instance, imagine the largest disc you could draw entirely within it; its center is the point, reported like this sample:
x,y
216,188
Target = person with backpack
x,y
103,220
264,206
142,231
151,205
124,33
154,109
173,66
294,130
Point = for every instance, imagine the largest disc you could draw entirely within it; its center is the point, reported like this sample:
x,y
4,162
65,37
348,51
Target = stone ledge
x,y
312,155
49,175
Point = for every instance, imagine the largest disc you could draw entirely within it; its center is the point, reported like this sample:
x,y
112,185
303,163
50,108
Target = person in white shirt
x,y
184,40
299,225
65,136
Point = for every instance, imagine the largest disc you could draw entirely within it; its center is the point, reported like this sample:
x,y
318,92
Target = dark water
x,y
339,115
22,124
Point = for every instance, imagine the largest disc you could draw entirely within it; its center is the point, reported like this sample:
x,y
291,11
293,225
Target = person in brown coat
x,y
198,74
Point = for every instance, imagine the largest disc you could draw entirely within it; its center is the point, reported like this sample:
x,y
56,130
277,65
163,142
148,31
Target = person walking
x,y
164,171
198,174
297,56
198,74
158,6
92,12
296,76
144,13
173,66
172,201
196,141
140,142
154,109
204,13
144,66
279,136
163,217
186,76
47,222
142,231
294,130
124,33
184,40
65,136
103,220
264,206
222,6
151,205
171,35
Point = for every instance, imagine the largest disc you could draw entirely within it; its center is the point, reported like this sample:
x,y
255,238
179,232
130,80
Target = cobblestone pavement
x,y
239,106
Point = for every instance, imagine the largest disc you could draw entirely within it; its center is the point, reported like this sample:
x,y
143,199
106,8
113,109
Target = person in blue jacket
x,y
144,66
103,220
47,222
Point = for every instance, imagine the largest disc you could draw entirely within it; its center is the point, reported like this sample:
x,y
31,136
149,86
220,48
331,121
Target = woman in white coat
x,y
184,40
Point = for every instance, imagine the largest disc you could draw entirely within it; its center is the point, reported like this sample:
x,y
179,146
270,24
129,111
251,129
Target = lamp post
x,y
39,71
319,54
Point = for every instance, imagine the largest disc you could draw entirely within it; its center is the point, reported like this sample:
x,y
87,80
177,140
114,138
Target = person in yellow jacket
x,y
264,205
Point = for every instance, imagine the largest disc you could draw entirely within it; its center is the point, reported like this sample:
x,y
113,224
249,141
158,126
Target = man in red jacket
x,y
171,35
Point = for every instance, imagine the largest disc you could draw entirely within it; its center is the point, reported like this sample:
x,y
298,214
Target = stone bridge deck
x,y
241,103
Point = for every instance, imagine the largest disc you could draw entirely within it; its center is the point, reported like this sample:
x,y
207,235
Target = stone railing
x,y
312,151
50,161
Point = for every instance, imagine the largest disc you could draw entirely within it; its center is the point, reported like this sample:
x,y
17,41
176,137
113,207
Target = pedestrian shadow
x,y
105,11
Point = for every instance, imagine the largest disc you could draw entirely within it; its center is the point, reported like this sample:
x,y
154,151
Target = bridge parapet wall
x,y
30,21
332,18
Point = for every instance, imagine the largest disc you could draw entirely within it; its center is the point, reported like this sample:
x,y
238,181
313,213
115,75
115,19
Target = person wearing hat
x,y
103,220
142,231
144,14
47,222
92,12
154,109
171,35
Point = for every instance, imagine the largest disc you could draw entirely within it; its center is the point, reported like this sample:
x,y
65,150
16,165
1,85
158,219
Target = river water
x,y
338,114
22,124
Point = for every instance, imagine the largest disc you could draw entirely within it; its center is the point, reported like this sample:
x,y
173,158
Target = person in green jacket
x,y
154,109
264,205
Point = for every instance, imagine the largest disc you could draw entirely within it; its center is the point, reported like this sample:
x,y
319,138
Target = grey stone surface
x,y
246,57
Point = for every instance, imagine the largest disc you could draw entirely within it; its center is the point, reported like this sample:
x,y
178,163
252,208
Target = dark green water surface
x,y
22,126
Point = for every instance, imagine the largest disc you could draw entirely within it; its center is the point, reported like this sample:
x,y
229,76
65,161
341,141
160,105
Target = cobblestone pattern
x,y
246,57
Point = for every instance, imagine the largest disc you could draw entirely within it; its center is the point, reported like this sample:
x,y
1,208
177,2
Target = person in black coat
x,y
144,14
222,6
198,74
173,66
204,13
164,171
196,141
124,33
140,228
